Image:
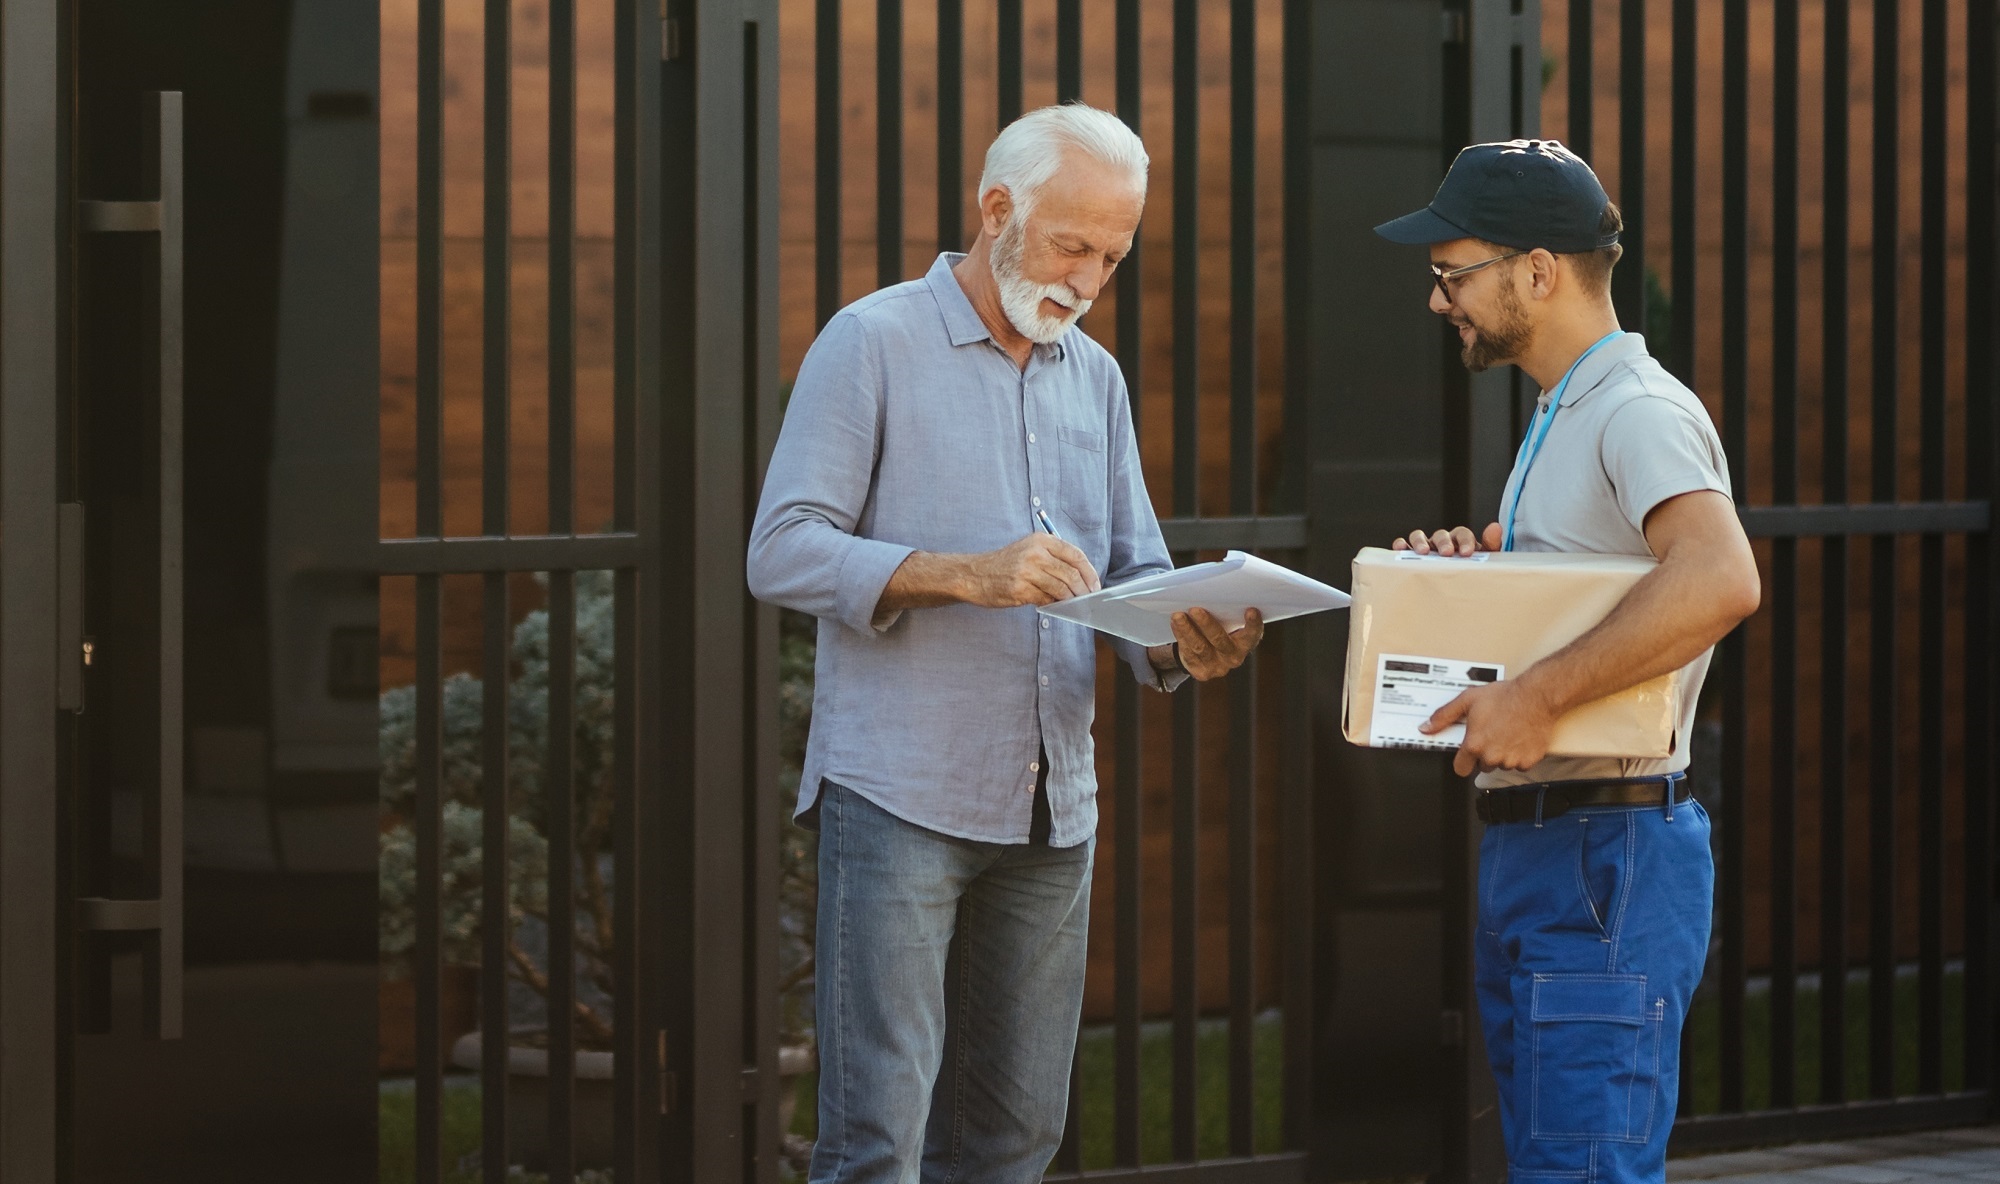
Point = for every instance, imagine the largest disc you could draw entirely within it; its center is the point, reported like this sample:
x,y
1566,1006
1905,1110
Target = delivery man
x,y
1595,879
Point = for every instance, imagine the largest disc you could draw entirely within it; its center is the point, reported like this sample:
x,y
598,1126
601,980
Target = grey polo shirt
x,y
911,429
1627,437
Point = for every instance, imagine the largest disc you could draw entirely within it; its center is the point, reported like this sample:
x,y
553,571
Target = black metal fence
x,y
629,547
1843,335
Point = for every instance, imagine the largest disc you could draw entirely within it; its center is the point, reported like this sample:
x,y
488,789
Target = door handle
x,y
158,919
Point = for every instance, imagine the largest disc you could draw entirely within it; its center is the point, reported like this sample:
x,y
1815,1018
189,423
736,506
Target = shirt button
x,y
1034,766
1031,437
1045,622
1038,501
1045,680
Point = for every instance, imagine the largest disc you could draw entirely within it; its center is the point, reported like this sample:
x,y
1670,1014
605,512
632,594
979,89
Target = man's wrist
x,y
1535,684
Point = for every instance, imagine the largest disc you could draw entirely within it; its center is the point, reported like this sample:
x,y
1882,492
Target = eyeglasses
x,y
1444,277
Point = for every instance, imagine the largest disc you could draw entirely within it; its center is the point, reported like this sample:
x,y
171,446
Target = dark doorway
x,y
269,730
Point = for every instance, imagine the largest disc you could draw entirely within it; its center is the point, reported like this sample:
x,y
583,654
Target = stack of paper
x,y
1141,610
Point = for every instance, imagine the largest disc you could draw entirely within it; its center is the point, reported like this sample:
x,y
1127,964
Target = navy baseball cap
x,y
1518,193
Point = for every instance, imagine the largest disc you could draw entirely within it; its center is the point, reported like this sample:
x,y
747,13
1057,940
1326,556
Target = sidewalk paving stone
x,y
1855,1173
1964,1156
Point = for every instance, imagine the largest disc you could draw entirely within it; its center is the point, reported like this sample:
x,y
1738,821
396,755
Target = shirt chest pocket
x,y
1085,488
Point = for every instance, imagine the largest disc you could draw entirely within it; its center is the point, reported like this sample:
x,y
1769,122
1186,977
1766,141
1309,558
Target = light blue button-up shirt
x,y
911,429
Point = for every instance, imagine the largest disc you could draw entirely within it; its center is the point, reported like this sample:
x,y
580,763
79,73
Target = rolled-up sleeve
x,y
1137,546
805,552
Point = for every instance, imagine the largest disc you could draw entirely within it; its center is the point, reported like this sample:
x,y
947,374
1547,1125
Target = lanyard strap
x,y
1538,432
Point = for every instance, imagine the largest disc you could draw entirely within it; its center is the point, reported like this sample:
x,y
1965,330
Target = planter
x,y
591,1100
591,1144
396,1017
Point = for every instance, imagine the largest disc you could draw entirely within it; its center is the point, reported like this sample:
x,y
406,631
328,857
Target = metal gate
x,y
691,877
1776,270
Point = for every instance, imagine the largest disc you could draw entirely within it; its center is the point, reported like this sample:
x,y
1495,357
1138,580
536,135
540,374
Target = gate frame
x,y
33,190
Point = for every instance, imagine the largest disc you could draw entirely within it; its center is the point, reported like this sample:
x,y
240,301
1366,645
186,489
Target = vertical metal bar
x,y
1129,837
1582,57
1009,61
31,158
1297,855
826,161
562,266
1243,502
1187,251
496,231
1069,50
626,1017
1931,693
1186,503
1687,72
951,124
1981,454
1628,281
1130,304
1735,379
428,970
1243,908
762,1005
1784,345
1186,921
558,810
495,916
1833,734
636,278
636,284
888,142
671,604
430,264
1125,1120
1243,258
426,959
1884,249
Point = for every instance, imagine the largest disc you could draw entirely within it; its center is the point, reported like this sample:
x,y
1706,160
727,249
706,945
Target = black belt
x,y
1548,799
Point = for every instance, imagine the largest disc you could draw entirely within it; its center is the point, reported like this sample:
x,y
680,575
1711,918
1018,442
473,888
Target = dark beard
x,y
1507,338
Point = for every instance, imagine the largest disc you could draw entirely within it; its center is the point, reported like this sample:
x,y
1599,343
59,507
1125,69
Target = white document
x,y
1141,610
1408,689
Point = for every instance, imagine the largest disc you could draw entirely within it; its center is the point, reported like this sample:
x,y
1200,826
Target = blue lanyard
x,y
1531,445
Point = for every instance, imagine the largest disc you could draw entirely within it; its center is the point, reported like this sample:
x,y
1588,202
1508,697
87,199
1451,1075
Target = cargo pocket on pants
x,y
1595,1064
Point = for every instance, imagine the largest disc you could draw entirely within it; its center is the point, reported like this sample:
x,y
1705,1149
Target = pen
x,y
1043,516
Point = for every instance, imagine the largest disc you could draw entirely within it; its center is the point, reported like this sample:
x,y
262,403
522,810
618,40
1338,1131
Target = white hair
x,y
1027,152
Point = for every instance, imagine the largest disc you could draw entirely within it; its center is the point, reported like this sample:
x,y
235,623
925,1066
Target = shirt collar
x,y
1599,365
961,321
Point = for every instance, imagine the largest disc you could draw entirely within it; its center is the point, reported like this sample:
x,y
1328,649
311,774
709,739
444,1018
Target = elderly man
x,y
1595,874
955,454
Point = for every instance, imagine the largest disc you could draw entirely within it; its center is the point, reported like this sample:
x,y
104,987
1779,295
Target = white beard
x,y
1022,300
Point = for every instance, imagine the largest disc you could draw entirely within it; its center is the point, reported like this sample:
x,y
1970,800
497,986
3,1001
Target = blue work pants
x,y
1593,927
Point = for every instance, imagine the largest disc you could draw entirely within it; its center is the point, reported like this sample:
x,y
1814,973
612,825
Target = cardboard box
x,y
1488,617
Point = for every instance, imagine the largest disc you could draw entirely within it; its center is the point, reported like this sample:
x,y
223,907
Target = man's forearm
x,y
1667,620
926,579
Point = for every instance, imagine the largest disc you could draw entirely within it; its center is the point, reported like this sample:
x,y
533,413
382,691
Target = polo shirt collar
x,y
962,323
1598,366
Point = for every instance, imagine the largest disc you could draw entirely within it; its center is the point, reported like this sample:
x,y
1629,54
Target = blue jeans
x,y
943,1060
1593,927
